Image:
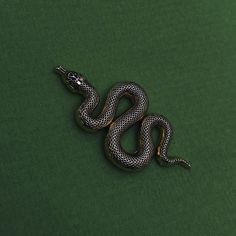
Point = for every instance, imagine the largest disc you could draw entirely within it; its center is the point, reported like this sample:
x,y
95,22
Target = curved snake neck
x,y
118,126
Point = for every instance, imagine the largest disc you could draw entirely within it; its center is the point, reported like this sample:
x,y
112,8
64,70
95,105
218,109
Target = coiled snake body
x,y
77,83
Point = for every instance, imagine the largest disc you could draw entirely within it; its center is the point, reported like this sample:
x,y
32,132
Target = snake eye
x,y
73,80
72,75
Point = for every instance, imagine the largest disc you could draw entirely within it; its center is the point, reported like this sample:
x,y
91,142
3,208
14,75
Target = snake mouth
x,y
61,71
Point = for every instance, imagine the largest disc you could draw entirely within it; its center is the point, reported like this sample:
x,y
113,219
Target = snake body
x,y
117,126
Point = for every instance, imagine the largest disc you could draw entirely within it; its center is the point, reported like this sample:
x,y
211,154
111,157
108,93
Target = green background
x,y
54,177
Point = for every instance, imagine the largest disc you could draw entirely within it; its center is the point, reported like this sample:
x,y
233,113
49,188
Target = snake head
x,y
72,79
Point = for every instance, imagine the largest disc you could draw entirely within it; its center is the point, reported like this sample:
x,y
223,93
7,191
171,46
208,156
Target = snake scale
x,y
77,83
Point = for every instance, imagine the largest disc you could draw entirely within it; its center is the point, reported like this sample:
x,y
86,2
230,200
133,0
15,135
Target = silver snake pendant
x,y
77,83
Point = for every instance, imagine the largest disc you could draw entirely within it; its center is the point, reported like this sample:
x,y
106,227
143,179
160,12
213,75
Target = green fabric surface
x,y
55,178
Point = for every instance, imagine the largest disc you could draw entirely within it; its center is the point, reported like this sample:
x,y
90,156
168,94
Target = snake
x,y
117,126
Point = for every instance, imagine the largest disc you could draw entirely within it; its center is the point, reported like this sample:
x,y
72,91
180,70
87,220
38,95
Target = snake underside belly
x,y
117,126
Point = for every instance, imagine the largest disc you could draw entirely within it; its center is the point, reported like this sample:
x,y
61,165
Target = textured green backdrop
x,y
54,178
